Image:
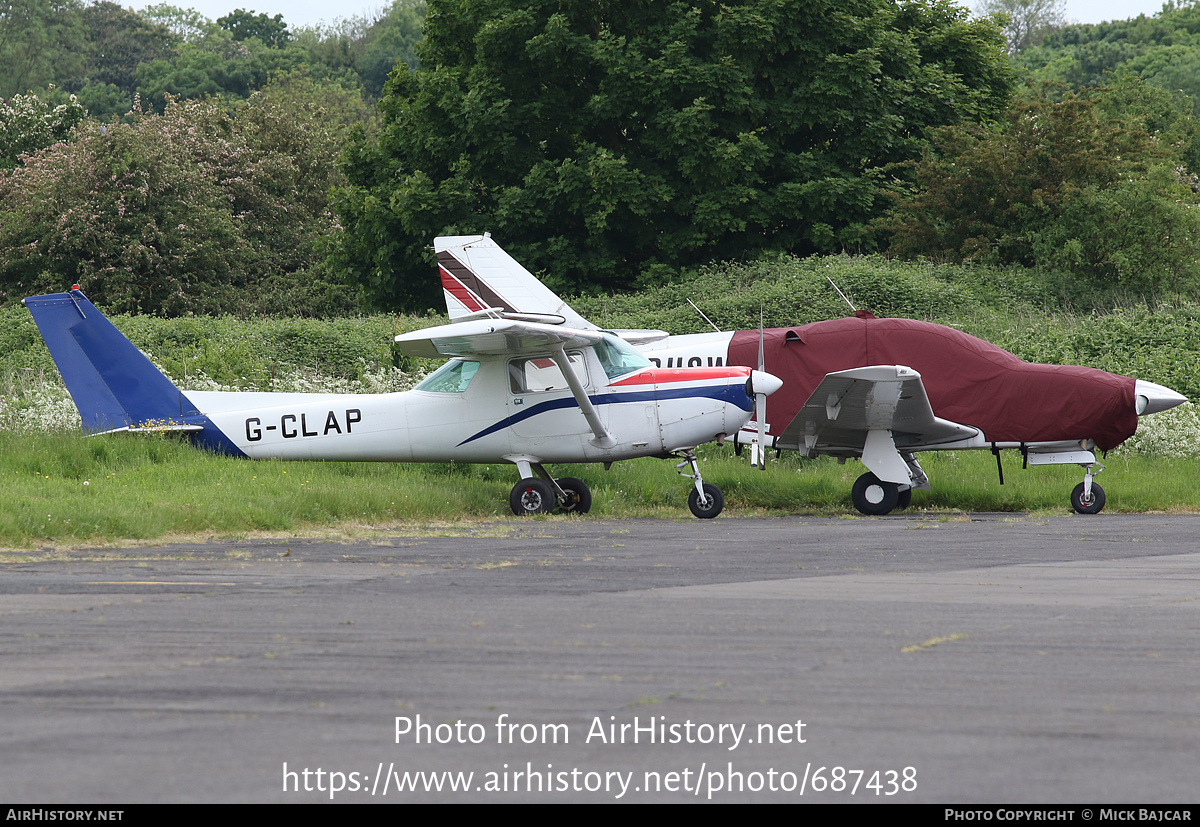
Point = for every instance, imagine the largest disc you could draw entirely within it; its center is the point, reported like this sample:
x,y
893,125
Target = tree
x,y
244,25
391,38
41,41
1026,22
215,65
120,40
193,210
188,25
368,47
600,140
27,124
1095,187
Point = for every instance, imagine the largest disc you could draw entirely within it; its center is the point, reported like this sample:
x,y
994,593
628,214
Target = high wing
x,y
507,337
876,412
494,337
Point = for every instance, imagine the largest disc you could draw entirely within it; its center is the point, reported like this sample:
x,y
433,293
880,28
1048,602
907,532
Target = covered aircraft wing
x,y
493,337
849,404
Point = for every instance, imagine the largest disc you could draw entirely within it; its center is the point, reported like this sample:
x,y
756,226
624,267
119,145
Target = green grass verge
x,y
66,490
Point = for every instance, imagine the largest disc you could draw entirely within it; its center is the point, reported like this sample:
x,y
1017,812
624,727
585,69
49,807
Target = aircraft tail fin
x,y
114,386
478,276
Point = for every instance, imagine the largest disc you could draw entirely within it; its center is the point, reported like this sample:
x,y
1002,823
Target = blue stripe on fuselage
x,y
719,392
213,438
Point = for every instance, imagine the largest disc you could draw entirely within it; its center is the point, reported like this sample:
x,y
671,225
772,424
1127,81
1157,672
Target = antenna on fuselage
x,y
853,309
702,316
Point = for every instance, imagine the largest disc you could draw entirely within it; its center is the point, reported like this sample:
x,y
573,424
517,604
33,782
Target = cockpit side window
x,y
542,374
452,377
618,357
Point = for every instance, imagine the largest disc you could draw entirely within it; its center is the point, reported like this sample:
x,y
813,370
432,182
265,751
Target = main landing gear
x,y
542,493
875,497
534,495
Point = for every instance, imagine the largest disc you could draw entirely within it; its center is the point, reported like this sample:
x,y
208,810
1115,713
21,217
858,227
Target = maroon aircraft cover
x,y
968,380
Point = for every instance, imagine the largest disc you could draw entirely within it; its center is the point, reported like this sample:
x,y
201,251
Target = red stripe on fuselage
x,y
460,291
665,376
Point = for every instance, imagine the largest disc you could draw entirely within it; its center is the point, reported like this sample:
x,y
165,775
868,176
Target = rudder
x,y
112,383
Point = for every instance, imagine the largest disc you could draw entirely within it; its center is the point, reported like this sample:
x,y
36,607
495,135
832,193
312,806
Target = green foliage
x,y
186,25
389,40
1161,49
216,65
119,40
243,25
28,124
1093,187
602,145
41,42
194,210
1026,22
793,291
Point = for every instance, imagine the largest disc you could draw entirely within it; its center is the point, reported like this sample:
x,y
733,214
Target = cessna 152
x,y
879,389
515,391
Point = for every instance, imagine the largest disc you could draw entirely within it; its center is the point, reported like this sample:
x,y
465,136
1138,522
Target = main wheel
x,y
531,495
873,496
905,499
579,496
1091,505
714,502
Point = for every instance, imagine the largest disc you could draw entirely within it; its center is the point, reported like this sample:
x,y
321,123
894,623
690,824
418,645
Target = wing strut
x,y
603,438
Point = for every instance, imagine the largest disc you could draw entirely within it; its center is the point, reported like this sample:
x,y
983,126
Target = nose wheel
x,y
705,500
1087,502
1088,497
712,504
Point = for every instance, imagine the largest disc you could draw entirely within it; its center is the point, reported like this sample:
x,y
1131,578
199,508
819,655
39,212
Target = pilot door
x,y
540,402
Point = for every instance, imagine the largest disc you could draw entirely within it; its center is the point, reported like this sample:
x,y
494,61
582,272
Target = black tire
x,y
579,496
1093,506
873,496
714,505
530,496
904,500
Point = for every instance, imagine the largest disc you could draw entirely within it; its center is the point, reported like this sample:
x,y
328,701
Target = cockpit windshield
x,y
452,377
618,357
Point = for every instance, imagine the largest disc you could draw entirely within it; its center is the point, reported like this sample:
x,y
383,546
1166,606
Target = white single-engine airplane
x,y
515,390
879,389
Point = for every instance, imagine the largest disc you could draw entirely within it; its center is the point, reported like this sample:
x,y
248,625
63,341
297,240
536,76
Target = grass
x,y
59,489
63,490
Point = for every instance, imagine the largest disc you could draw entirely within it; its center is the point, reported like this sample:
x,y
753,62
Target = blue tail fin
x,y
114,386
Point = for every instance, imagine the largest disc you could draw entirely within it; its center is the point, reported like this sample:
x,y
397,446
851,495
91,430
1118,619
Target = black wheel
x,y
714,502
904,500
532,495
873,496
579,496
1090,506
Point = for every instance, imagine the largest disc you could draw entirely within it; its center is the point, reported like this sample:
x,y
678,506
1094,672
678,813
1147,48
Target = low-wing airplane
x,y
513,391
879,389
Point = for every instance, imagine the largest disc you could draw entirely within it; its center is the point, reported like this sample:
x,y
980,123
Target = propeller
x,y
760,402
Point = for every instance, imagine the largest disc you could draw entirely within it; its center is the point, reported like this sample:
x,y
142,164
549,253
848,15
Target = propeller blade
x,y
760,399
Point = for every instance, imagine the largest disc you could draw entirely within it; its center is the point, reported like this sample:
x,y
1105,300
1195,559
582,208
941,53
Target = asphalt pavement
x,y
983,658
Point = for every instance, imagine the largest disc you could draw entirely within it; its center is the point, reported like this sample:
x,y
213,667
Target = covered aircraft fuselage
x,y
968,380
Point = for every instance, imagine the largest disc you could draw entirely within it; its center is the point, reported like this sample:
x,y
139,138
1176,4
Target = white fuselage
x,y
649,412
